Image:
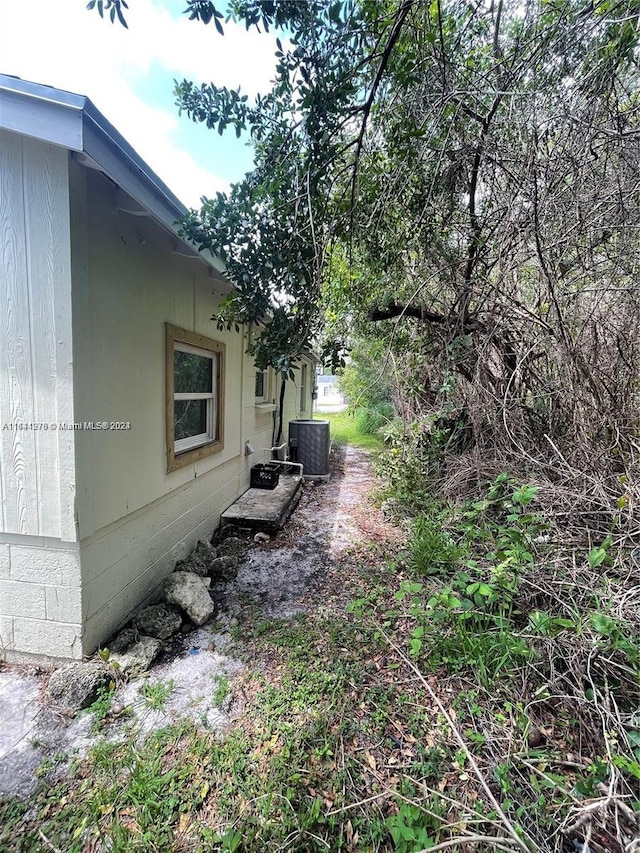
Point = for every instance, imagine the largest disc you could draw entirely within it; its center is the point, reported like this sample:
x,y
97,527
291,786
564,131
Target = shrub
x,y
370,421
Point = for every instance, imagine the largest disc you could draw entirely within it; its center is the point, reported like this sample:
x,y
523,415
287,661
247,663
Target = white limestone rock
x,y
138,657
190,593
224,568
77,685
199,560
159,620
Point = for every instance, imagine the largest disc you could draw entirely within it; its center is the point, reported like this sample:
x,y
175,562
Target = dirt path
x,y
283,577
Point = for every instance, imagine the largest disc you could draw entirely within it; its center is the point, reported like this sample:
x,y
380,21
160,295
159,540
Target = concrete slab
x,y
265,509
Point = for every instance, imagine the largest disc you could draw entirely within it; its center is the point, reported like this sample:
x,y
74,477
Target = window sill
x,y
185,457
265,407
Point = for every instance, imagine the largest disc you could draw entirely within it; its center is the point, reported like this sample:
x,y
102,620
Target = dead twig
x,y
497,842
48,843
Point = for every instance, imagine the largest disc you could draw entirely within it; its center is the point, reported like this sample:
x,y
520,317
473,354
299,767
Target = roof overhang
x,y
73,122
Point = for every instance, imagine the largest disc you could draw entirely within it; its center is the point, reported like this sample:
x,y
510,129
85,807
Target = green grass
x,y
156,695
221,689
344,430
340,747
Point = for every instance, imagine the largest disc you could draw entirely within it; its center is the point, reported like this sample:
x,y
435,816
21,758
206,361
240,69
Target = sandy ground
x,y
280,578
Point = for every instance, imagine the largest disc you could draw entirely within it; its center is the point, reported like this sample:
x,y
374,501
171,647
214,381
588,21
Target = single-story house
x,y
126,418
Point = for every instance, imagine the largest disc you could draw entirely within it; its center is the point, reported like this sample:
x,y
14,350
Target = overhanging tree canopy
x,y
469,171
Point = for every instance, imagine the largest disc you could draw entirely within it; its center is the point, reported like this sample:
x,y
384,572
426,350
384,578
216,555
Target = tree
x,y
461,182
496,218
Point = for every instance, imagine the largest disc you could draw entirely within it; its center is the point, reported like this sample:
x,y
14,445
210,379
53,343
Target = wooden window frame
x,y
265,403
265,397
186,341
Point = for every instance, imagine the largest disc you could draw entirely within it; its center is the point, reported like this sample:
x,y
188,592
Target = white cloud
x,y
63,45
198,52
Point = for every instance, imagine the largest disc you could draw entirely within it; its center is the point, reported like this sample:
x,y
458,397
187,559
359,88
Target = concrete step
x,y
265,509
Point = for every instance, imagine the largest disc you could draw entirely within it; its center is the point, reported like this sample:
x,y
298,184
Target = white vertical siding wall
x,y
39,567
36,382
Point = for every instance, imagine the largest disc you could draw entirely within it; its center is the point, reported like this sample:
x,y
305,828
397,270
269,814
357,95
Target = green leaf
x,y
334,12
597,556
603,624
633,737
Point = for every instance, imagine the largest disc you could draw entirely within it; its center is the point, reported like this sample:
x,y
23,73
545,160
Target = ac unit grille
x,y
309,444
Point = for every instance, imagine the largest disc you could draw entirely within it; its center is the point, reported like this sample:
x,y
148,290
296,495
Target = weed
x,y
599,555
102,706
369,421
155,695
412,828
49,764
431,549
221,689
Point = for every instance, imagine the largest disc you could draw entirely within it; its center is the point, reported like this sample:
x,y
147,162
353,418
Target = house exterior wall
x,y
90,520
135,519
261,420
39,554
329,397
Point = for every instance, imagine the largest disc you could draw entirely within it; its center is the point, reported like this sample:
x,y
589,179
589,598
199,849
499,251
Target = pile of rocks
x,y
188,597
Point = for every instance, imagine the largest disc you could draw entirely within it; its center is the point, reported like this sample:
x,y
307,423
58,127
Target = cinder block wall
x,y
40,600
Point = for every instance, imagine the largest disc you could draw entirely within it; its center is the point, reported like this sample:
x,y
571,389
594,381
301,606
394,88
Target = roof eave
x,y
73,122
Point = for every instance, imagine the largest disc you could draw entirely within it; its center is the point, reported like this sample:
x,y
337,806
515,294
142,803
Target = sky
x,y
129,74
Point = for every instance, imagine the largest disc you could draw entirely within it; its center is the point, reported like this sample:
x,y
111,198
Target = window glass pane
x,y
259,383
190,418
193,374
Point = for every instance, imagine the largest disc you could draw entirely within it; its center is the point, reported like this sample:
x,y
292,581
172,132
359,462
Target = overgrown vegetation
x,y
456,187
460,185
480,691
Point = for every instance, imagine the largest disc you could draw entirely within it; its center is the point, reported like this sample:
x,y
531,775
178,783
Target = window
x,y
263,395
263,392
326,390
303,388
194,372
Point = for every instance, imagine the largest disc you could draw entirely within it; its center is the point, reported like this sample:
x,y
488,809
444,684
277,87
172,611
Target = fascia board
x,y
113,154
45,118
129,172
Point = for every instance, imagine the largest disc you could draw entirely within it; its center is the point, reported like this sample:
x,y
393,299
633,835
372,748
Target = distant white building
x,y
329,398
